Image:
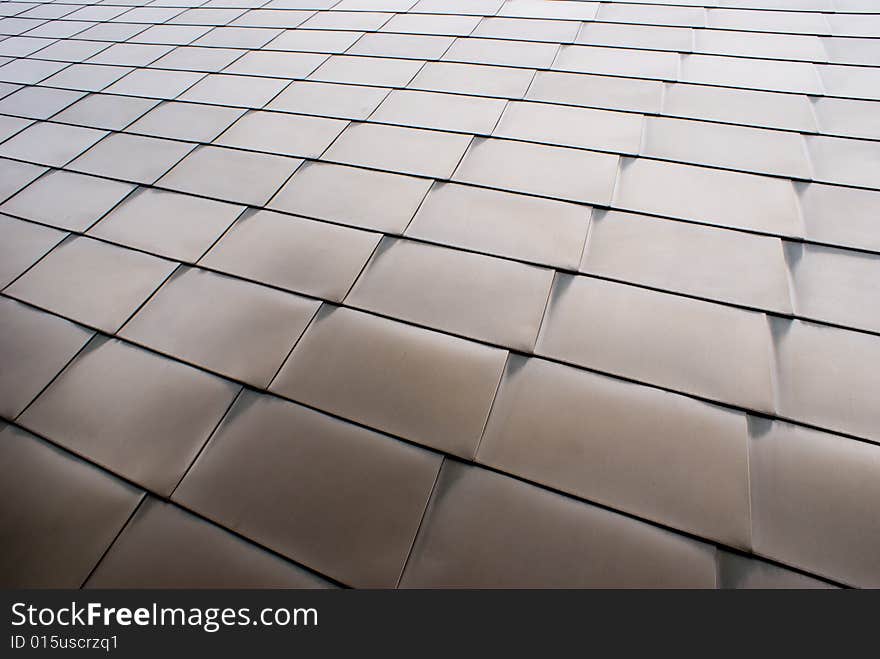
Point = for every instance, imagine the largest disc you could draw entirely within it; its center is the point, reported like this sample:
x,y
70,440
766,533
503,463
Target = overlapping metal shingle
x,y
440,293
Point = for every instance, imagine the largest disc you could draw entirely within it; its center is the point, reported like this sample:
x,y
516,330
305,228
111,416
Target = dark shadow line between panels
x,y
580,149
425,241
599,205
312,159
140,503
341,302
413,11
469,462
57,375
207,441
42,256
588,204
542,357
42,83
166,499
421,521
296,342
575,41
559,269
428,188
501,375
373,253
543,69
486,343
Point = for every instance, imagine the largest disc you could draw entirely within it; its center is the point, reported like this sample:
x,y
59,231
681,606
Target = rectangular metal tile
x,y
276,64
527,29
109,32
813,498
651,37
751,73
628,94
663,457
848,117
235,90
860,52
827,377
59,514
186,121
285,134
88,77
733,147
404,150
92,282
34,347
377,71
300,255
238,37
50,144
618,62
169,224
195,58
531,54
414,46
567,9
71,50
38,102
428,387
353,498
768,21
207,16
857,82
286,18
21,245
465,7
315,41
482,529
165,547
131,157
130,54
155,83
652,15
477,296
712,196
717,264
347,20
467,114
696,347
432,24
550,171
107,111
739,106
67,200
136,413
499,81
503,224
230,174
15,175
238,329
329,99
170,34
571,126
807,48
836,286
845,161
824,222
29,71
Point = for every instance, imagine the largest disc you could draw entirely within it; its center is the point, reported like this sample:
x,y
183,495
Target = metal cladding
x,y
440,293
